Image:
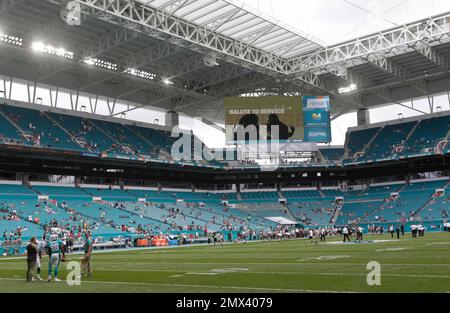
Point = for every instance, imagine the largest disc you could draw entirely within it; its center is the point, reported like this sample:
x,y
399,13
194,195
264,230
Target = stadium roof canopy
x,y
186,55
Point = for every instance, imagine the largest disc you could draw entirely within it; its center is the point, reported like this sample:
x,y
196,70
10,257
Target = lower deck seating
x,y
313,212
119,212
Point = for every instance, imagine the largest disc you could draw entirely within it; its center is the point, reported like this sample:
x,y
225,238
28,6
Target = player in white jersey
x,y
41,249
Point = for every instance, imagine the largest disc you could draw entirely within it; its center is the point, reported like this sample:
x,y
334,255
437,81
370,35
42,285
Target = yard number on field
x,y
374,276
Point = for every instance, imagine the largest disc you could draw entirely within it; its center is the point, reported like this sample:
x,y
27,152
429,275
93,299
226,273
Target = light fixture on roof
x,y
167,82
141,74
400,116
12,40
102,63
39,46
348,89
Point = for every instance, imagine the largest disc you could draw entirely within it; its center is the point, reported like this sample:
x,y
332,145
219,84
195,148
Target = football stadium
x,y
217,146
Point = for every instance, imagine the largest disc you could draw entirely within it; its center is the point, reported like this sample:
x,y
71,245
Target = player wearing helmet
x,y
54,250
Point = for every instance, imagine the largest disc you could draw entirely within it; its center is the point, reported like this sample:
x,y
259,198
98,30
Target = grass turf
x,y
407,265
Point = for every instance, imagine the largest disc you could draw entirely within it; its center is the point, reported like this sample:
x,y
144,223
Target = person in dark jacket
x,y
32,255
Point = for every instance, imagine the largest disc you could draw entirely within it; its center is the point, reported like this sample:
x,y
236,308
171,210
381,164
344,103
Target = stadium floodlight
x,y
12,40
39,46
168,82
102,63
348,89
141,74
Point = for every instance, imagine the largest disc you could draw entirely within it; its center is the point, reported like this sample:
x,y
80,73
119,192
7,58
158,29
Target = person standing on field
x,y
345,232
32,255
87,271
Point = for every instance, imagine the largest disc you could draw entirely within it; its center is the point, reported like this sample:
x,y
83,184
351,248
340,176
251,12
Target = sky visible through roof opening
x,y
335,21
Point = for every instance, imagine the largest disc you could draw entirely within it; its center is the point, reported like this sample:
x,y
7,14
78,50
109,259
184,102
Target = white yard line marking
x,y
325,258
265,273
203,286
392,249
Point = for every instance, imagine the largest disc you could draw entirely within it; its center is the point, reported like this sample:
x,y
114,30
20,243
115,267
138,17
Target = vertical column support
x,y
10,87
28,93
4,89
93,106
431,103
34,92
111,109
73,105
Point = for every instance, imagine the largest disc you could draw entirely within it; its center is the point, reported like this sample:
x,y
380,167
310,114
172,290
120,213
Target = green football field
x,y
407,265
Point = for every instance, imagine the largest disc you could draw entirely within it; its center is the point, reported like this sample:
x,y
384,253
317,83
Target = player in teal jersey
x,y
54,249
87,272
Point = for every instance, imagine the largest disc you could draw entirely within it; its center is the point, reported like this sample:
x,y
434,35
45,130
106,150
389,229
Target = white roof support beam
x,y
388,66
433,56
146,17
394,41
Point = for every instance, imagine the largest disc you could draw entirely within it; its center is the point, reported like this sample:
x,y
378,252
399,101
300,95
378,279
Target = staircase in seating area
x,y
64,129
104,133
32,189
412,131
370,142
405,142
377,209
447,186
15,125
286,207
424,206
85,191
280,195
448,135
336,213
403,188
289,213
139,135
430,200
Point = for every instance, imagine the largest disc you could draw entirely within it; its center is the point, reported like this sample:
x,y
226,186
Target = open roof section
x,y
392,66
240,22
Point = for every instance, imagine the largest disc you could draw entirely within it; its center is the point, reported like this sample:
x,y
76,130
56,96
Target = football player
x,y
54,250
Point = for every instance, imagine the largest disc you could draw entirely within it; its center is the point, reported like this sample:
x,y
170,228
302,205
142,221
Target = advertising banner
x,y
263,113
316,111
282,118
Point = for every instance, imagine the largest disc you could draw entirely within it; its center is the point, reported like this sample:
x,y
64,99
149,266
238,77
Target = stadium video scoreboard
x,y
298,119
